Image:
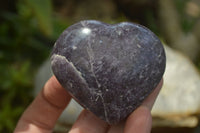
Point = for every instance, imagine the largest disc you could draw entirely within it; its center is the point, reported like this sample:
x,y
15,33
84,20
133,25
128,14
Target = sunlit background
x,y
29,28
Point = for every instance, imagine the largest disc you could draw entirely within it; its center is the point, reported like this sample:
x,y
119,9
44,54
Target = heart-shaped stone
x,y
108,69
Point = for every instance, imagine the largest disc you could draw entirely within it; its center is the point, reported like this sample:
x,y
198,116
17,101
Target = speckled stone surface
x,y
108,69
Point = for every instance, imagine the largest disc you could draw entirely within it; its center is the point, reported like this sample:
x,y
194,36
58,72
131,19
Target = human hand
x,y
43,112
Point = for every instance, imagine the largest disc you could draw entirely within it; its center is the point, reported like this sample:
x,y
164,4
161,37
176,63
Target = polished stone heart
x,y
108,69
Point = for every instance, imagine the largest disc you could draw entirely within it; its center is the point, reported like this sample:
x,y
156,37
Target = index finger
x,y
43,112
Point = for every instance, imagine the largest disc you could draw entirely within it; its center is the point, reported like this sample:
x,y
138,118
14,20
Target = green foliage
x,y
187,22
26,37
42,10
15,93
152,25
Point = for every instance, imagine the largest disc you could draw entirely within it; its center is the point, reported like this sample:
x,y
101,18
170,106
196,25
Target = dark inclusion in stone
x,y
108,69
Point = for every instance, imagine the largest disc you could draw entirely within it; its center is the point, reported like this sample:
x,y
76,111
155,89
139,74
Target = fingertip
x,y
139,121
55,93
43,112
87,122
150,100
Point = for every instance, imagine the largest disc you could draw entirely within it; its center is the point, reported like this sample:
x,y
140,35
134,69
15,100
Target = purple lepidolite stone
x,y
108,69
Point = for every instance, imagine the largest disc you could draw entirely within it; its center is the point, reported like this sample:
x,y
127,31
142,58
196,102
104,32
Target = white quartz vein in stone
x,y
56,57
99,94
104,105
91,60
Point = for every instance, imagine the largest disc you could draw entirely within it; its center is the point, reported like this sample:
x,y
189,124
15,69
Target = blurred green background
x,y
29,28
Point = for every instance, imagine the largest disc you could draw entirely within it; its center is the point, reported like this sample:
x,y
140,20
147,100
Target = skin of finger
x,y
87,122
44,111
140,120
118,128
150,100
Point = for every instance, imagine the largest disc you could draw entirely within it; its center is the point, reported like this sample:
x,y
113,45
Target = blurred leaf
x,y
16,85
151,21
187,22
59,26
23,47
42,9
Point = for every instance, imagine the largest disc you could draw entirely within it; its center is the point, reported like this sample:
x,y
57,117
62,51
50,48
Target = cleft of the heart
x,y
108,69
